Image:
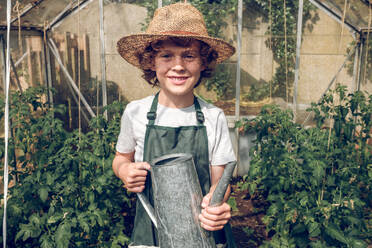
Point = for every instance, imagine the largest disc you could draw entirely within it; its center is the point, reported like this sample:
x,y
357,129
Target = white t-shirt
x,y
134,121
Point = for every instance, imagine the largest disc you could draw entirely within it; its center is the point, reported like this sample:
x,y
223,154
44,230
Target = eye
x,y
190,56
165,55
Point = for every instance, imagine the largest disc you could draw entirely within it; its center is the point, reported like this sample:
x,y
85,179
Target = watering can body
x,y
177,203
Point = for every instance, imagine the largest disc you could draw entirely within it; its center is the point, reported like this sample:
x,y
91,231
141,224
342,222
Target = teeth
x,y
179,79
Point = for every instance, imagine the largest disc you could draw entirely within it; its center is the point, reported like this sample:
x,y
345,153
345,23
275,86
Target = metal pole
x,y
68,10
103,60
52,47
333,15
20,59
16,75
237,83
6,121
26,9
160,3
239,41
298,50
77,101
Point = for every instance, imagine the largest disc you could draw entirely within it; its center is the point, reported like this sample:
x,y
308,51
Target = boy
x,y
175,54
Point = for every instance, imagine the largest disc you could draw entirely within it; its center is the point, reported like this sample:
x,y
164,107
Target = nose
x,y
178,64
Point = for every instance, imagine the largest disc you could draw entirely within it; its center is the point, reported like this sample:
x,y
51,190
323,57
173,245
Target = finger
x,y
137,173
219,210
206,200
211,228
137,184
211,225
135,189
142,166
137,179
212,217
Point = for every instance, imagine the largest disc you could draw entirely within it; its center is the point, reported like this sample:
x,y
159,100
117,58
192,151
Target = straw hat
x,y
177,20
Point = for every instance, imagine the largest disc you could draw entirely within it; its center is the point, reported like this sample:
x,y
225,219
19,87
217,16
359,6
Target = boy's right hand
x,y
134,175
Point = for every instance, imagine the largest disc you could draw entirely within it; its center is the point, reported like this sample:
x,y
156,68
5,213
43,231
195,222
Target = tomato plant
x,y
316,181
65,193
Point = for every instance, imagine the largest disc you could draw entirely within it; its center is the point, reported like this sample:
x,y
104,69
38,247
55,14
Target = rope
x,y
285,50
6,119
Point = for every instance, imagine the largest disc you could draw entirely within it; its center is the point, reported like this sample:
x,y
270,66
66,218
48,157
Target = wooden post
x,y
2,58
85,49
29,61
39,62
47,69
73,58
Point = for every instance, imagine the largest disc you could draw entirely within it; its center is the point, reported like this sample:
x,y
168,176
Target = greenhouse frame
x,y
69,47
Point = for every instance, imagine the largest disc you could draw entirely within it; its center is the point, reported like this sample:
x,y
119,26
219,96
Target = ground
x,y
248,228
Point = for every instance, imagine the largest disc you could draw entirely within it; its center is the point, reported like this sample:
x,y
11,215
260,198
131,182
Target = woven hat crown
x,y
177,18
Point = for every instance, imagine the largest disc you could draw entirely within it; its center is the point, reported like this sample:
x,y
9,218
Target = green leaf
x,y
46,242
19,234
49,179
252,188
232,203
54,218
314,229
336,234
358,244
63,235
43,194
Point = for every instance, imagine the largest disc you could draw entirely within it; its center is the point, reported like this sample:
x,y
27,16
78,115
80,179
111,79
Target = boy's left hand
x,y
214,218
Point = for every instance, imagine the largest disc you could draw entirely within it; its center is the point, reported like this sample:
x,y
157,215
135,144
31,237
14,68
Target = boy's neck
x,y
172,101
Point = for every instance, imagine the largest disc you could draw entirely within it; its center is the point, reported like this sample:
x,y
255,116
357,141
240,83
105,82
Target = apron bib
x,y
161,140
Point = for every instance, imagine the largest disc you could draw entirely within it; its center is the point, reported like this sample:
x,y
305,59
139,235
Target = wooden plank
x,y
29,62
86,56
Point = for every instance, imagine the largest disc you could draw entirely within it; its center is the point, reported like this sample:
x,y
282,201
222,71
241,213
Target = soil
x,y
246,221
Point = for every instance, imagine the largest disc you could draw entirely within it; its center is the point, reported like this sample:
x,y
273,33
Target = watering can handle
x,y
222,184
148,207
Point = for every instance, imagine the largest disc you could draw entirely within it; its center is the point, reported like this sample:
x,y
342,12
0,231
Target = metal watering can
x,y
177,201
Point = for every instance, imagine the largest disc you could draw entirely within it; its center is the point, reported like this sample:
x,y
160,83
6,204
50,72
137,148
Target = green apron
x,y
159,141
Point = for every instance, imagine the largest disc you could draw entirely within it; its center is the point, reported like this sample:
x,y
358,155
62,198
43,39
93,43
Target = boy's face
x,y
178,68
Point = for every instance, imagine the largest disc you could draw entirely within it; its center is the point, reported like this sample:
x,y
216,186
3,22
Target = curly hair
x,y
146,59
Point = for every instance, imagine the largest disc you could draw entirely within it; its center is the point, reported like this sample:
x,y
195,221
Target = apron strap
x,y
199,114
151,115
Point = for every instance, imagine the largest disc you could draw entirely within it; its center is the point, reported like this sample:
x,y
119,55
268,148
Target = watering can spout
x,y
148,207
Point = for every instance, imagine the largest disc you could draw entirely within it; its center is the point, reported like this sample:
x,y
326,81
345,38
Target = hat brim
x,y
129,47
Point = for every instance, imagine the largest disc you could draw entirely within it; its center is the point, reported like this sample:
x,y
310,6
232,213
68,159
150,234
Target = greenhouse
x,y
297,96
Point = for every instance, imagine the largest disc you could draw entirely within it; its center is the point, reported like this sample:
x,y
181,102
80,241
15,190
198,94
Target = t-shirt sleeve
x,y
126,142
222,152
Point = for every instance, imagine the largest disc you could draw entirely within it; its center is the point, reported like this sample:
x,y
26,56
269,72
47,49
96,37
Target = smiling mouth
x,y
178,78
